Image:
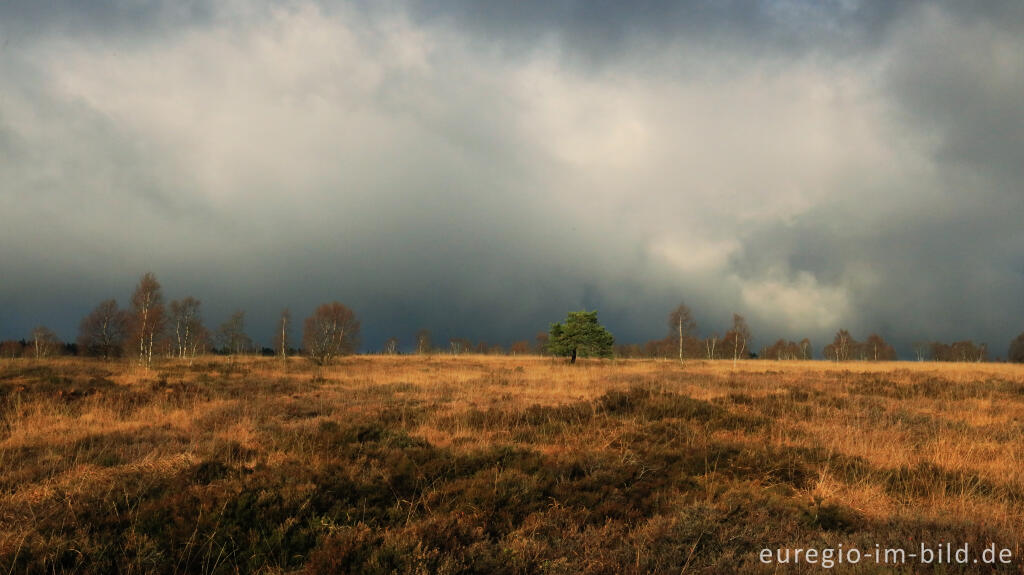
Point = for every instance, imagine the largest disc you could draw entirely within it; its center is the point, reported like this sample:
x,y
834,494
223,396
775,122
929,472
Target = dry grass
x,y
497,464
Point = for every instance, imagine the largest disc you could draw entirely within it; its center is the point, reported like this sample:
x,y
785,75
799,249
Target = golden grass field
x,y
493,464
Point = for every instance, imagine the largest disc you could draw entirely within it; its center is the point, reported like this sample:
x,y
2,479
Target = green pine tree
x,y
581,335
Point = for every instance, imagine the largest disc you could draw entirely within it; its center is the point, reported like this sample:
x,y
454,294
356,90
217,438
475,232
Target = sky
x,y
480,169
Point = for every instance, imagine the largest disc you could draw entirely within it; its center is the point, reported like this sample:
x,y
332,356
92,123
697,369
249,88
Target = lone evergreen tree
x,y
582,335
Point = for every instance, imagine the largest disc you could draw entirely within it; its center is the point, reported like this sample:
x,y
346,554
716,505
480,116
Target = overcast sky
x,y
480,169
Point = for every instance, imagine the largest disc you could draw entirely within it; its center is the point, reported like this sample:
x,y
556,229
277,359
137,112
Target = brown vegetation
x,y
441,464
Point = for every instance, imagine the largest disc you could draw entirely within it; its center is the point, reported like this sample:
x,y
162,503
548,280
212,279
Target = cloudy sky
x,y
481,169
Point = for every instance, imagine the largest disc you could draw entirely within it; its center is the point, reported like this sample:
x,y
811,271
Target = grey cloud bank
x,y
479,171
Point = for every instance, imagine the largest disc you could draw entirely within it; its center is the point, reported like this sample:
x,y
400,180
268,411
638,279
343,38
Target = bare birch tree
x,y
231,334
423,342
841,346
710,343
282,335
102,332
805,348
147,317
680,321
331,331
922,349
44,342
738,338
460,345
189,333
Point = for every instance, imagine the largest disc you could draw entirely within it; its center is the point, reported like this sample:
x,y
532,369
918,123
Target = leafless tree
x,y
282,334
102,332
520,348
710,343
922,349
231,334
331,331
189,334
660,347
391,346
628,350
981,353
939,351
782,350
147,319
541,343
877,349
842,346
805,348
965,350
423,343
200,342
460,345
680,321
11,349
44,342
738,338
1015,353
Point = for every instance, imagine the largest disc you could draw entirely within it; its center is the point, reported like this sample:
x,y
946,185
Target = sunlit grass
x,y
487,463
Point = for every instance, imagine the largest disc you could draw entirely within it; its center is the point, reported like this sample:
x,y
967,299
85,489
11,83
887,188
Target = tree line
x,y
682,342
149,328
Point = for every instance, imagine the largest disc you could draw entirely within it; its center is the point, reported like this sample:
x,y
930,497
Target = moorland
x,y
480,464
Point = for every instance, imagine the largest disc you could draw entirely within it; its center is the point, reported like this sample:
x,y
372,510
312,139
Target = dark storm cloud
x,y
597,29
481,168
920,277
21,20
963,81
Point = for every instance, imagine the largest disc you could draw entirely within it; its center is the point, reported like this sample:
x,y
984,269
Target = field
x,y
484,464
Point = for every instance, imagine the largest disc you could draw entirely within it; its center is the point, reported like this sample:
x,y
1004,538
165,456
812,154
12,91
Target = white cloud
x,y
797,305
696,256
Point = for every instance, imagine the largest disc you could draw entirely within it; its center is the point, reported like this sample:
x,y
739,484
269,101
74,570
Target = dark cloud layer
x,y
599,30
481,168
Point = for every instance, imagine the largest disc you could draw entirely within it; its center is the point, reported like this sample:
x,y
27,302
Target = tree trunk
x,y
142,337
284,339
680,340
573,360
